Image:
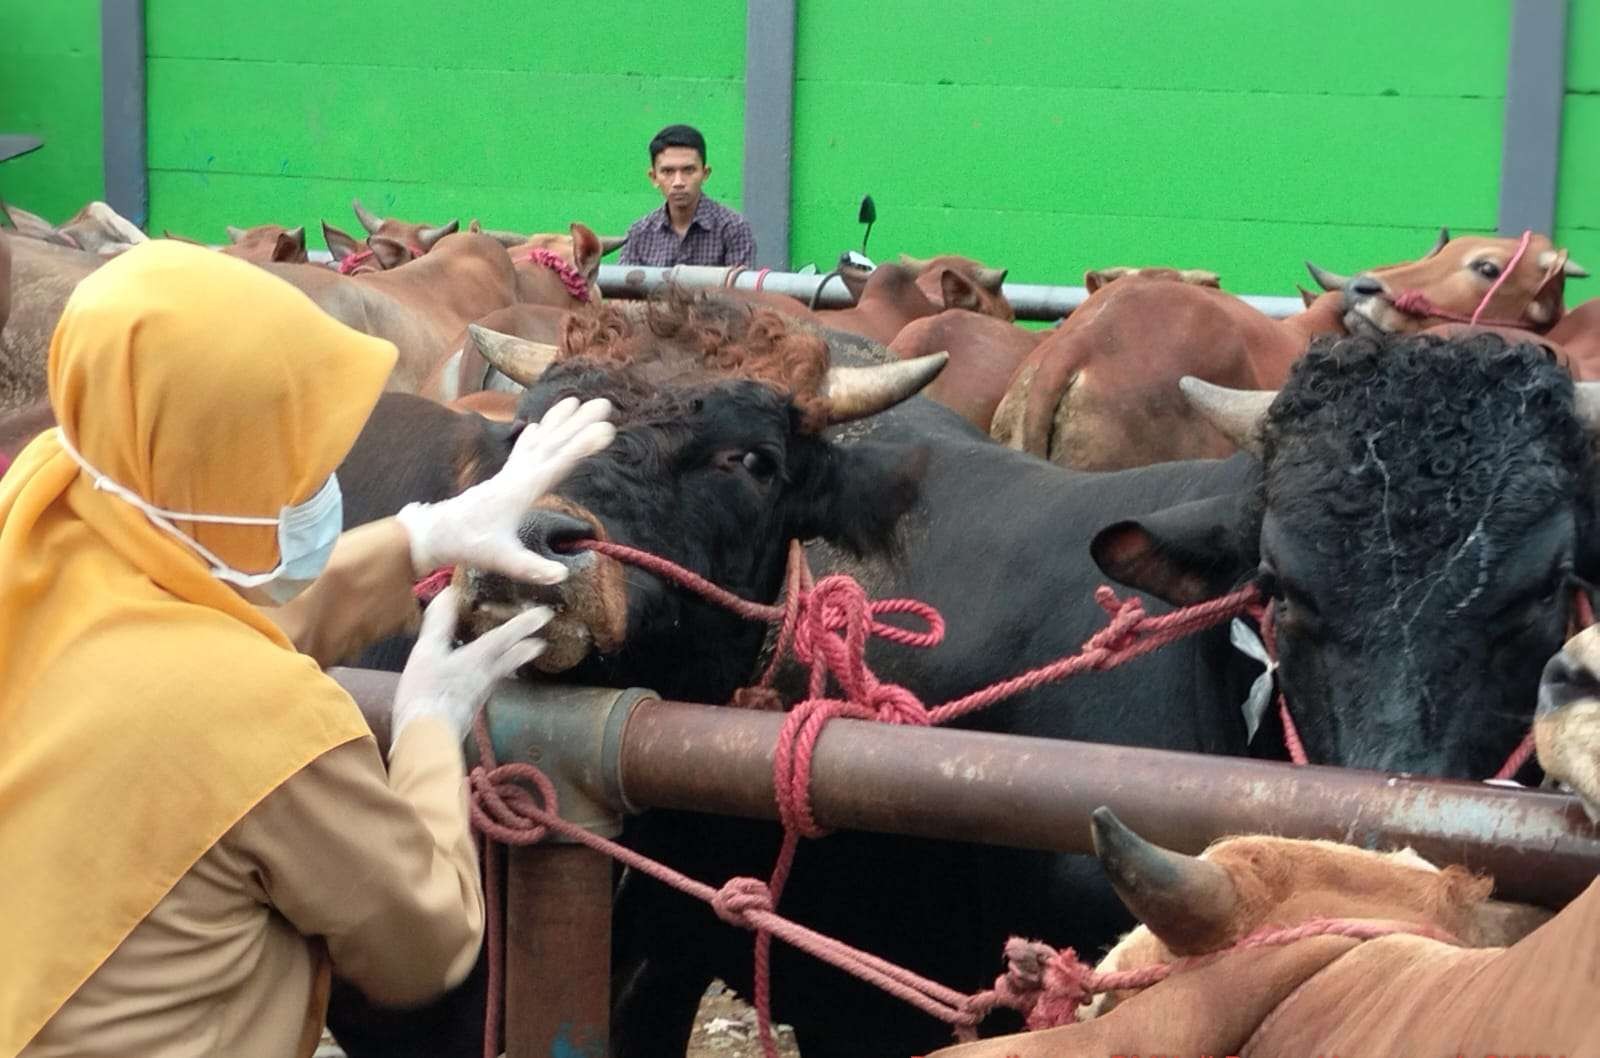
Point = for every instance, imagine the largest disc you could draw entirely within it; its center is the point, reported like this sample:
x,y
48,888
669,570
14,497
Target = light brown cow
x,y
1450,283
390,243
423,307
265,243
1101,392
1399,994
96,229
984,354
1095,278
1577,333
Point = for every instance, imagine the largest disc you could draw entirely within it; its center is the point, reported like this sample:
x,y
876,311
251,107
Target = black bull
x,y
1000,543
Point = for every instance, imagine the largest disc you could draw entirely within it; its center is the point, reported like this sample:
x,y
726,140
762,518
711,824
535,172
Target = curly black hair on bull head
x,y
1424,507
1451,436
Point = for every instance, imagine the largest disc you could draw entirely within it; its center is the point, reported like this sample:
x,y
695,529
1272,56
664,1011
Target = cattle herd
x,y
1417,496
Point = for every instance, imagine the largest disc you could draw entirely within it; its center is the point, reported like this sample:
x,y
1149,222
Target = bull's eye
x,y
1487,269
760,465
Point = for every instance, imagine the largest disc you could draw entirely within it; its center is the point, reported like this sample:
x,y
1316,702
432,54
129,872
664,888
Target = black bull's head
x,y
1424,511
716,473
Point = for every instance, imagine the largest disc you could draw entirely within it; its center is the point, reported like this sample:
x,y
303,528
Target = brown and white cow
x,y
96,229
1404,993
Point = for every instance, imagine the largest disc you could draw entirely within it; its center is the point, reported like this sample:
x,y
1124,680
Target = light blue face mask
x,y
306,533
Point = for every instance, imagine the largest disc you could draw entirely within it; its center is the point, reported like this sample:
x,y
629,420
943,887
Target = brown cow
x,y
1101,392
390,243
1399,994
1450,283
980,291
888,299
1578,334
984,354
465,372
1095,278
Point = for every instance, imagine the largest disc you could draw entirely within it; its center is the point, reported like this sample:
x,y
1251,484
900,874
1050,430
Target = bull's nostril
x,y
1564,682
554,533
1365,286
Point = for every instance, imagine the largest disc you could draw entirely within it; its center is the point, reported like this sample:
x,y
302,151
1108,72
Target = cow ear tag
x,y
1247,641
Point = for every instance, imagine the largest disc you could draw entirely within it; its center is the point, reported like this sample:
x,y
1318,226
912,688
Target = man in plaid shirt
x,y
690,228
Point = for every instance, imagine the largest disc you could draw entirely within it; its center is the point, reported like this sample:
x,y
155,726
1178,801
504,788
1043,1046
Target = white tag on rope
x,y
1247,641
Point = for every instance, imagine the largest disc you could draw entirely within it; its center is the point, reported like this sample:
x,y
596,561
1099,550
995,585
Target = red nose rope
x,y
577,286
826,625
1416,303
349,264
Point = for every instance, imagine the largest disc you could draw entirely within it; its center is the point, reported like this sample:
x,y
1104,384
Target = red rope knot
x,y
577,286
504,809
349,264
1121,633
740,896
1042,984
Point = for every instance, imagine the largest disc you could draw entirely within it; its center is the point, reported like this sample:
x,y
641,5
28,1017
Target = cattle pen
x,y
614,752
581,529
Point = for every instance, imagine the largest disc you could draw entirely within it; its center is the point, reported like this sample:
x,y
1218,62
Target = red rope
x,y
826,625
577,286
1416,303
349,264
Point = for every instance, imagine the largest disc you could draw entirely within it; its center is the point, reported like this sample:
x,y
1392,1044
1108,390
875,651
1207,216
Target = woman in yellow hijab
x,y
184,798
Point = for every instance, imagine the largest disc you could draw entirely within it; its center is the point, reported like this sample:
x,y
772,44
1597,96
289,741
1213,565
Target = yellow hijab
x,y
145,706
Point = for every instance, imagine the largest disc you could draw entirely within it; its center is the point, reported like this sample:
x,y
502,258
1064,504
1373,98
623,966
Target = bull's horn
x,y
1438,244
916,264
857,392
1327,280
368,219
610,244
1586,402
1569,267
428,236
235,234
1187,902
1236,413
991,279
516,358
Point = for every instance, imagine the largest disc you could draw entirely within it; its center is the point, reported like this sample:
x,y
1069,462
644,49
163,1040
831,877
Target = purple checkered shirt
x,y
716,236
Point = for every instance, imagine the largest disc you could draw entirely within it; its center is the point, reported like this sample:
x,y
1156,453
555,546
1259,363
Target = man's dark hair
x,y
678,136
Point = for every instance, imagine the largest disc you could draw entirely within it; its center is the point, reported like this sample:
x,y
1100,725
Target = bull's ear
x,y
391,253
339,243
1184,554
586,250
959,291
854,495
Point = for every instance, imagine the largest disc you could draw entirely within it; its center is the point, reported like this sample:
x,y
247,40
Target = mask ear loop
x,y
163,519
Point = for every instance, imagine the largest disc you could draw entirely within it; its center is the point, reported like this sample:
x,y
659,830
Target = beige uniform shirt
x,y
377,865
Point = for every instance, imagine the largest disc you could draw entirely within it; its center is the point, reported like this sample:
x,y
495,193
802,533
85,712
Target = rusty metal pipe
x,y
1038,793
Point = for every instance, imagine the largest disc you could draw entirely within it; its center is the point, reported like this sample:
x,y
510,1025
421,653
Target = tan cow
x,y
266,243
1100,393
1400,994
96,229
984,354
425,306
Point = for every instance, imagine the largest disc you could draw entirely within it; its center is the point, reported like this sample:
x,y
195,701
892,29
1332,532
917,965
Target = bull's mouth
x,y
590,605
1373,317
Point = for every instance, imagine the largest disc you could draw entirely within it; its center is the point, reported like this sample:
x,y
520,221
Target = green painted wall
x,y
1241,136
1578,191
50,87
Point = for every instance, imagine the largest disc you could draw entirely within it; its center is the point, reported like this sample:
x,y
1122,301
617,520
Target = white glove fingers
x,y
519,563
439,619
518,655
498,640
560,424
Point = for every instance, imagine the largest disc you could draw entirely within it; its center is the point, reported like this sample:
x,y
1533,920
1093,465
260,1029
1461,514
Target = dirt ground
x,y
725,1027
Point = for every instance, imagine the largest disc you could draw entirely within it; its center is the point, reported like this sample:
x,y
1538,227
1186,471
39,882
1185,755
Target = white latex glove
x,y
453,684
479,527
